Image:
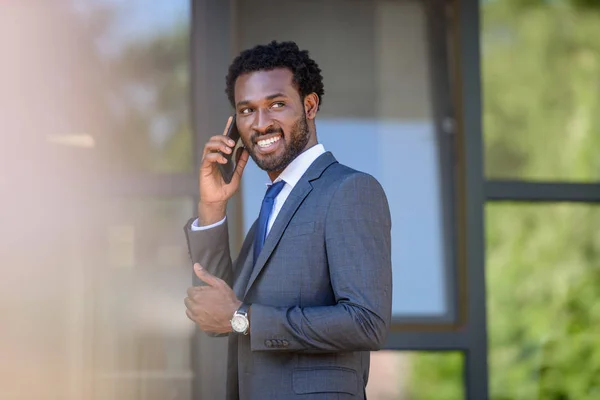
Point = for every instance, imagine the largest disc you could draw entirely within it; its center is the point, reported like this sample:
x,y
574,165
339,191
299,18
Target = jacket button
x,y
268,343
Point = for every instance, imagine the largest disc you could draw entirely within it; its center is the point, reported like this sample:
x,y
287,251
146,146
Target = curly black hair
x,y
307,74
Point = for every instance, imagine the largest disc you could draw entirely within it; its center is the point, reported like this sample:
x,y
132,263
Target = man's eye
x,y
245,111
278,104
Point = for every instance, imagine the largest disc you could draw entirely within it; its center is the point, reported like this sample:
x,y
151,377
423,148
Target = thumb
x,y
205,276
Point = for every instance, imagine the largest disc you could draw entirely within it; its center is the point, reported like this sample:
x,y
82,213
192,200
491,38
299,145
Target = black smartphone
x,y
228,169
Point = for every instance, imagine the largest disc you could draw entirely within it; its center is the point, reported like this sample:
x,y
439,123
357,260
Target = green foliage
x,y
541,93
436,375
581,5
543,283
541,87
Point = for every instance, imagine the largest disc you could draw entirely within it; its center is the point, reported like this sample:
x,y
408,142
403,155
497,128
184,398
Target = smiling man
x,y
310,293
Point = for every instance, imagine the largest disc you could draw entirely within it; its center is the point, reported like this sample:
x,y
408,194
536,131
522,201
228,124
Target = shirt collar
x,y
294,171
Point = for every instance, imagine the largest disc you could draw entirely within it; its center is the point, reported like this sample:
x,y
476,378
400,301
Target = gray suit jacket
x,y
321,289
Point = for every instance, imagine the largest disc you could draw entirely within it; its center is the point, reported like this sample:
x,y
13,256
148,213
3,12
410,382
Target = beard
x,y
293,145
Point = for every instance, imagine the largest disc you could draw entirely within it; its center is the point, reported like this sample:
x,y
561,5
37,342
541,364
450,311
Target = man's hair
x,y
307,74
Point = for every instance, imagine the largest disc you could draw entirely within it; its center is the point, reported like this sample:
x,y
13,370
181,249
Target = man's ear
x,y
311,105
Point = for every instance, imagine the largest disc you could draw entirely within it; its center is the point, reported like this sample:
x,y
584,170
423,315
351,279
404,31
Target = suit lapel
x,y
296,197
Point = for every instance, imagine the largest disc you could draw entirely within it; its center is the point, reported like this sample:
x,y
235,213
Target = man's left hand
x,y
212,306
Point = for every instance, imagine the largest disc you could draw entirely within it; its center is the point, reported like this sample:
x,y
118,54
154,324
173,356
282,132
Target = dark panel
x,y
210,51
540,191
444,117
418,340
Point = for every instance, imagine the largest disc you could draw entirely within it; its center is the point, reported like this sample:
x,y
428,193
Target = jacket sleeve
x,y
210,248
358,245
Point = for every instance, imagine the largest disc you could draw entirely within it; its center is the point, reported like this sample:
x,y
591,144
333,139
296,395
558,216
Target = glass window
x,y
376,117
541,73
543,287
416,375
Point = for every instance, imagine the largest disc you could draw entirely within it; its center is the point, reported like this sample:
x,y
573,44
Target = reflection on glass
x,y
404,375
375,117
142,336
541,73
92,299
91,292
146,48
543,287
119,82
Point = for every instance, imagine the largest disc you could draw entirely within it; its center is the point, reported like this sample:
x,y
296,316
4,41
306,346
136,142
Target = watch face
x,y
239,323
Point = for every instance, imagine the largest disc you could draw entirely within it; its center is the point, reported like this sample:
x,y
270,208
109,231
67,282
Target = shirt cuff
x,y
195,226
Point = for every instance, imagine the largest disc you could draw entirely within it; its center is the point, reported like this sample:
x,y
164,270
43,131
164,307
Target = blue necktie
x,y
263,218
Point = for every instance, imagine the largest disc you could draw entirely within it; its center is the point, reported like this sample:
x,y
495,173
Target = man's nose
x,y
263,121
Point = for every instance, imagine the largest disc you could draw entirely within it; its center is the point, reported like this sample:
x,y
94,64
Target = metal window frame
x,y
466,20
469,333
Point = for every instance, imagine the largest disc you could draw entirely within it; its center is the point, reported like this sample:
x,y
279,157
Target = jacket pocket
x,y
324,380
304,228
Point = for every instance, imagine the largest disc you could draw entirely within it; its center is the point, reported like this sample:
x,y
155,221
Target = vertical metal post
x,y
469,113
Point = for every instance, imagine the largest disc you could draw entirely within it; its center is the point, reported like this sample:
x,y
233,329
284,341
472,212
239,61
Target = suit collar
x,y
297,168
319,166
298,194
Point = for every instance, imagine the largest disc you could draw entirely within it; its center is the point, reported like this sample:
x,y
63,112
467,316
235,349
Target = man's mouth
x,y
267,143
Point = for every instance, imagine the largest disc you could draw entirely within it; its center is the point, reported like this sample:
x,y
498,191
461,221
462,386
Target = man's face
x,y
271,118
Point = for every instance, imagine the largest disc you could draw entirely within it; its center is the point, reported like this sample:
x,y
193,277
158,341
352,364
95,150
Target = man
x,y
310,293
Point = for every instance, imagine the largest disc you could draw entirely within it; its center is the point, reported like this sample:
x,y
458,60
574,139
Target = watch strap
x,y
243,309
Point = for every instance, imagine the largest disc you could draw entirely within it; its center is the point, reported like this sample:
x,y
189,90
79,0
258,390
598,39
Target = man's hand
x,y
212,306
214,192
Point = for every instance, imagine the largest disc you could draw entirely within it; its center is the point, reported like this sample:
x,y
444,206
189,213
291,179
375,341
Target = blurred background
x,y
481,119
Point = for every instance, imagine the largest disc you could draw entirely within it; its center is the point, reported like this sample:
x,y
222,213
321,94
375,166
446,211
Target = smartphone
x,y
228,169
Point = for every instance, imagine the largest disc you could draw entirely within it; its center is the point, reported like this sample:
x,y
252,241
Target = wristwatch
x,y
239,321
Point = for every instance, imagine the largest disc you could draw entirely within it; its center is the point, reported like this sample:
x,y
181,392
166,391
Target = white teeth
x,y
267,142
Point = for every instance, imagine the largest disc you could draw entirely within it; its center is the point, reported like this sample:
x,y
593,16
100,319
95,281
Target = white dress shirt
x,y
291,175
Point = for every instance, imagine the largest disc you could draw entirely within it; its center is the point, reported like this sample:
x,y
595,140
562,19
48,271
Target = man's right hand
x,y
214,192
